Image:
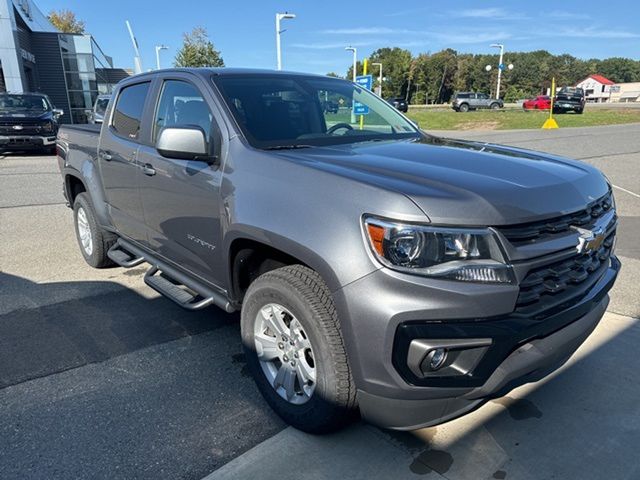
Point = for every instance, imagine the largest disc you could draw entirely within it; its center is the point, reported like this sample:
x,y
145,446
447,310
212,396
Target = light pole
x,y
355,58
281,16
500,66
379,79
158,48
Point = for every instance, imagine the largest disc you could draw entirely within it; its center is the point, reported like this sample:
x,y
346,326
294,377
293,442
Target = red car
x,y
542,102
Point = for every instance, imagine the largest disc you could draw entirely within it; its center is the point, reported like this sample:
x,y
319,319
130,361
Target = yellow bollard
x,y
364,72
550,123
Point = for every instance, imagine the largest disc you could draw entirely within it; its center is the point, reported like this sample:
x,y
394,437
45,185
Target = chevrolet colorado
x,y
378,270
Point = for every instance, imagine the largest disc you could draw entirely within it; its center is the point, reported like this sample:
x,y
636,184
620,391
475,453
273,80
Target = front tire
x,y
294,348
94,242
495,106
463,108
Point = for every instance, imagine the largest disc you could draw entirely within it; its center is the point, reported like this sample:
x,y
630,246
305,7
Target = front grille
x,y
560,284
531,232
6,128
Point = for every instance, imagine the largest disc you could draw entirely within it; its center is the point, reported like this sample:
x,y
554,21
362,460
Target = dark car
x,y
28,121
400,103
377,268
569,99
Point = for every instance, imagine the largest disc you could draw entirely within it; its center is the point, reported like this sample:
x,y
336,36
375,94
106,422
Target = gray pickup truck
x,y
379,271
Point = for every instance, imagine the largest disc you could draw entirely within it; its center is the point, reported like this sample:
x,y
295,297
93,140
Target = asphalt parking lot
x,y
101,378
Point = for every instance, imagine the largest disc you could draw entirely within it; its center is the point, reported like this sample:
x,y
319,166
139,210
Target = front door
x,y
117,153
181,198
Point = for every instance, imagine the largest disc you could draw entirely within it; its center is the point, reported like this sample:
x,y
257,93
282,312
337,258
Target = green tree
x,y
198,51
396,63
66,21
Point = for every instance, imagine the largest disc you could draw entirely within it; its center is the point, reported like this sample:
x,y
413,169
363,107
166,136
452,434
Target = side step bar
x,y
122,258
167,281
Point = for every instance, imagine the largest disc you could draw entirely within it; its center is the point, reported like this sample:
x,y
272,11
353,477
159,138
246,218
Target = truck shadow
x,y
40,336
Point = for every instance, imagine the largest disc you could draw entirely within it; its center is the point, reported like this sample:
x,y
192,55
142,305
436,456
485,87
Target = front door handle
x,y
147,169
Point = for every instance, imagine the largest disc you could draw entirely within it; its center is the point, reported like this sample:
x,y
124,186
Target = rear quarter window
x,y
128,111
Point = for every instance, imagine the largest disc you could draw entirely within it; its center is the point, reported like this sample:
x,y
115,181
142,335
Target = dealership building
x,y
35,57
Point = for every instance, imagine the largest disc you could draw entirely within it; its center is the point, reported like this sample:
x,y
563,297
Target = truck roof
x,y
221,71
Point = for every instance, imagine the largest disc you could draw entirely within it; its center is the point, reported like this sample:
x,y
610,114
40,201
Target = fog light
x,y
436,358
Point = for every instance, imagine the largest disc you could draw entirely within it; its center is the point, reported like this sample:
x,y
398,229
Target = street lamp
x,y
281,16
379,79
500,66
158,48
355,57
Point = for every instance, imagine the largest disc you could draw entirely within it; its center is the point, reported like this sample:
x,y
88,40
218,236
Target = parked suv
x,y
96,114
399,103
465,101
376,268
28,121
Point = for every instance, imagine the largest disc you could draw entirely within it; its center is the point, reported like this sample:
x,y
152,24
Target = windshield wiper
x,y
286,147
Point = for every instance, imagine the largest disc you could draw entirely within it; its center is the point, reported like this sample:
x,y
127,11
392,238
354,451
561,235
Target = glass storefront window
x,y
82,99
81,81
79,116
78,63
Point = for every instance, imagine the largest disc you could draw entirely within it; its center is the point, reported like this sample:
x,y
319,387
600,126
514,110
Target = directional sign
x,y
365,81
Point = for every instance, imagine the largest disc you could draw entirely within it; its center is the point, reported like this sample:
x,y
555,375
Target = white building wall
x,y
9,56
600,93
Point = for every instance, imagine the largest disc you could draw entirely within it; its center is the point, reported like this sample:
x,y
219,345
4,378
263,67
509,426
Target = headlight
x,y
47,127
470,255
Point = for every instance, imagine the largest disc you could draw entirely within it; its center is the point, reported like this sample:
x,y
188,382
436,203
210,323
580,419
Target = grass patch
x,y
441,119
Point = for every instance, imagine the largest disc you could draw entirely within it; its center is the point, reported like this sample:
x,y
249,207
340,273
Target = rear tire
x,y
290,312
93,240
463,108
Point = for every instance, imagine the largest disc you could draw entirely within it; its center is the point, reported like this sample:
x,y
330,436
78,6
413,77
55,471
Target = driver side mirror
x,y
58,112
184,143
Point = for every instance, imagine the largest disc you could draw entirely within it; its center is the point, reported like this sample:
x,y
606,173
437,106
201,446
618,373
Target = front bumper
x,y
521,350
20,142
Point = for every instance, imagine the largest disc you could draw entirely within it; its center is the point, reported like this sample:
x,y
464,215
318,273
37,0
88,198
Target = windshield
x,y
288,111
15,103
101,105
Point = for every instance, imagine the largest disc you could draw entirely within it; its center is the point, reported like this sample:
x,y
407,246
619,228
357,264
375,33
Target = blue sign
x,y
365,81
501,66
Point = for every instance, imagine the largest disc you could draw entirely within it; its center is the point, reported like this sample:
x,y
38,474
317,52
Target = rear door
x,y
181,198
482,101
117,152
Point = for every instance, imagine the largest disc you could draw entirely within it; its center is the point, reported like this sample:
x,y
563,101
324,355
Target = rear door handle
x,y
106,156
147,169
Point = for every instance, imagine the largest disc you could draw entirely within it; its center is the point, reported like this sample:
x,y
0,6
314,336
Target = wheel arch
x,y
250,253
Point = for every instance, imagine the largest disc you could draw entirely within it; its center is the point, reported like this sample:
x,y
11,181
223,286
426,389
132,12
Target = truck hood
x,y
465,183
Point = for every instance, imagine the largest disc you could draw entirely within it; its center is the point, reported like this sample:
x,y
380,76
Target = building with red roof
x,y
597,89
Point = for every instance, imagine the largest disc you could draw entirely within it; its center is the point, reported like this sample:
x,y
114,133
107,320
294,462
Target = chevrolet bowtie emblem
x,y
589,240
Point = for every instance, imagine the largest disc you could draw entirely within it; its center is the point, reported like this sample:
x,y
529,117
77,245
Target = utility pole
x,y
281,16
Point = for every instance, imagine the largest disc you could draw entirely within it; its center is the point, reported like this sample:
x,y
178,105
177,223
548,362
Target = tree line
x,y
434,77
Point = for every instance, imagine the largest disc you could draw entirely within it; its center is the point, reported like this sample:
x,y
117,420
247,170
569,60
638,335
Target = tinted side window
x,y
182,105
128,110
462,95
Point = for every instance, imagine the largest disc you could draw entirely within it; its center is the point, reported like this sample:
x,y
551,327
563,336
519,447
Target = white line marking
x,y
627,191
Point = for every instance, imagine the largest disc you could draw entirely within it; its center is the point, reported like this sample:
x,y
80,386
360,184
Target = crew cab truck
x,y
28,121
378,270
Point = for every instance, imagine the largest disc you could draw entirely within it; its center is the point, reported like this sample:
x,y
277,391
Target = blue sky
x,y
315,40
